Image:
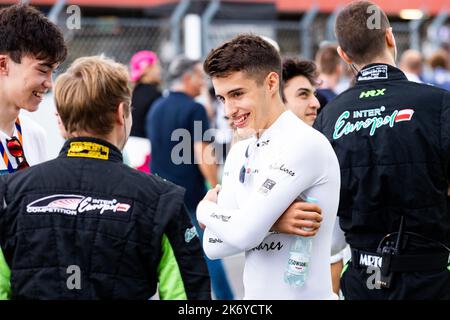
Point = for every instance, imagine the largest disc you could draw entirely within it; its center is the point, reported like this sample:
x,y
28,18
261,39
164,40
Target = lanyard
x,y
3,151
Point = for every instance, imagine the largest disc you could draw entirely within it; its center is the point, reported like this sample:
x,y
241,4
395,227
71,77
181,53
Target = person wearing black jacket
x,y
392,139
87,226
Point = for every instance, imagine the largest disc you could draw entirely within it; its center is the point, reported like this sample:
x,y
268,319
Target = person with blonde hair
x,y
87,226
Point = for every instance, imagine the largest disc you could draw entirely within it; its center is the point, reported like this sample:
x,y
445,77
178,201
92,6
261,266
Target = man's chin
x,y
244,133
31,107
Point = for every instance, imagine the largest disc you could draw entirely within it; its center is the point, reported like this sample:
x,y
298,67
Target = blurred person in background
x,y
145,75
411,63
440,65
298,88
177,127
331,70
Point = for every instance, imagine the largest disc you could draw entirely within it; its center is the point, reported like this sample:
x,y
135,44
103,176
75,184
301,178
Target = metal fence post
x,y
56,10
175,20
305,37
331,21
433,29
207,17
414,32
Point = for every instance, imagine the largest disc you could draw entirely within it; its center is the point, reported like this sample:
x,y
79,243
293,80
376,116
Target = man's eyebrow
x,y
47,64
305,89
233,91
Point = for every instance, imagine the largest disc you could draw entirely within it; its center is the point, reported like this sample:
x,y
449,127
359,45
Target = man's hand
x,y
212,194
299,215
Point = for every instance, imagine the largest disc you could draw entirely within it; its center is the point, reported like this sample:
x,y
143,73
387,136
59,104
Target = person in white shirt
x,y
284,160
31,47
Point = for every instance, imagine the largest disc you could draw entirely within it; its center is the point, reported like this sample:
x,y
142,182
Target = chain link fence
x,y
120,38
117,38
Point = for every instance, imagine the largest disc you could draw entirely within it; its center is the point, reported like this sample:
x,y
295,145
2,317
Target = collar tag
x,y
84,149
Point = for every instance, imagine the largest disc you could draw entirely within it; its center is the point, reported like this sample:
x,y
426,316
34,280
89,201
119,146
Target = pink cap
x,y
140,61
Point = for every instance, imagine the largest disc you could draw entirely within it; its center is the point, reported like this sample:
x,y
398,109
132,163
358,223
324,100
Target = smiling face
x,y
26,82
246,103
300,99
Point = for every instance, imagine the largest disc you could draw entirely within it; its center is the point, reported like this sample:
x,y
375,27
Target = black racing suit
x,y
86,226
392,139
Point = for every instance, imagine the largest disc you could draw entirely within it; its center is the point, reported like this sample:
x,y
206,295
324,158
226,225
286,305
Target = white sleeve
x,y
293,172
338,242
213,246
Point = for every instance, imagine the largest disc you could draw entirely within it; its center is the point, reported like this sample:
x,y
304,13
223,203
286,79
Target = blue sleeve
x,y
200,123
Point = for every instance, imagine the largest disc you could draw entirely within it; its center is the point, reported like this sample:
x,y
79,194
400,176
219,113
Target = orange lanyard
x,y
3,151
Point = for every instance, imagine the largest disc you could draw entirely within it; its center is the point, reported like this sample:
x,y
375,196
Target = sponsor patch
x,y
372,93
214,240
85,149
367,260
267,186
283,168
373,73
220,217
263,143
190,234
272,246
374,119
77,205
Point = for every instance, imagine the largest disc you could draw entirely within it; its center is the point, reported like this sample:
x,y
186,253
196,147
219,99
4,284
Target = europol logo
x,y
374,120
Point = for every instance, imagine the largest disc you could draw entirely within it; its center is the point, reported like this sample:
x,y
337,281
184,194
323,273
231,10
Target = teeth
x,y
38,94
240,119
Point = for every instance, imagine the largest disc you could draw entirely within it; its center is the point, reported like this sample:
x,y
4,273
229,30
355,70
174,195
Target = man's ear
x,y
343,55
273,81
4,64
390,39
121,113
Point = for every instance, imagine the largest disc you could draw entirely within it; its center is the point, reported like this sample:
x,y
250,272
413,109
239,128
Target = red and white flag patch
x,y
404,115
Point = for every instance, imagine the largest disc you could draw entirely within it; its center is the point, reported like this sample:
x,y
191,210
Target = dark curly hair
x,y
246,52
26,31
293,67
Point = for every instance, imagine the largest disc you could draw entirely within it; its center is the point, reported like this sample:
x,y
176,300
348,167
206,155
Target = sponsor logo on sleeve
x,y
272,246
214,240
220,217
77,205
190,234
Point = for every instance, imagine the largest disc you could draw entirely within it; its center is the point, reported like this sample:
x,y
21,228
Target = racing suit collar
x,y
379,72
279,124
89,147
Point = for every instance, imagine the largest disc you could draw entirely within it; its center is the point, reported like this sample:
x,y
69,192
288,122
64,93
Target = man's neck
x,y
384,59
113,137
180,87
275,113
8,115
